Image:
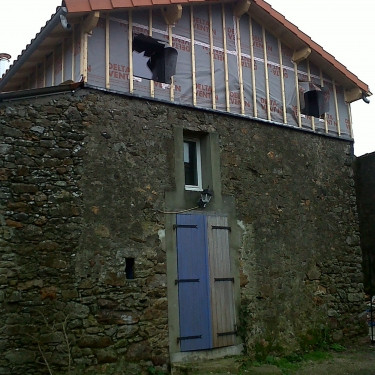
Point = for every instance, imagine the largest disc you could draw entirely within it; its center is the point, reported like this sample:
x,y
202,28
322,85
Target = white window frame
x,y
197,142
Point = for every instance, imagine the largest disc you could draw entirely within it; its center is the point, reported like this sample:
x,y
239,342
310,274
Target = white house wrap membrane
x,y
222,48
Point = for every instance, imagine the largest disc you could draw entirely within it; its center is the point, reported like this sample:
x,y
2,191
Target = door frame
x,y
170,243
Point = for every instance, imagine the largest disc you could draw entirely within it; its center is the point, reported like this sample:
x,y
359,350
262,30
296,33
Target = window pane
x,y
190,162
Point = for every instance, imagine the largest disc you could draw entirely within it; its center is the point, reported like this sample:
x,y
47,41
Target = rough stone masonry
x,y
83,177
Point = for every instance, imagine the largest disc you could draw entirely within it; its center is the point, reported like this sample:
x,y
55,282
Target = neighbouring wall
x,y
83,177
365,182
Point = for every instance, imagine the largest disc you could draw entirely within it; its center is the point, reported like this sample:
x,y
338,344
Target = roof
x,y
264,9
260,9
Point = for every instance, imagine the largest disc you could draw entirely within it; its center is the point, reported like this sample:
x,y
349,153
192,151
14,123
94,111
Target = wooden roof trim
x,y
314,46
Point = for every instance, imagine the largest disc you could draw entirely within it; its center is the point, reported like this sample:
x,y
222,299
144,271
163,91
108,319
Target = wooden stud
x,y
53,67
239,59
172,13
309,79
253,68
152,83
130,48
73,48
336,107
241,7
353,95
213,88
297,96
172,79
62,61
282,81
226,70
90,22
266,73
325,115
44,71
193,72
301,55
350,120
107,52
84,52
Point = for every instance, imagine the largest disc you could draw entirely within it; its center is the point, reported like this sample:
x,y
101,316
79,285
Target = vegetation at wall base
x,y
290,363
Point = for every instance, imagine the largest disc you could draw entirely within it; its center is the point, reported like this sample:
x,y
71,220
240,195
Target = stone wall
x,y
83,179
365,184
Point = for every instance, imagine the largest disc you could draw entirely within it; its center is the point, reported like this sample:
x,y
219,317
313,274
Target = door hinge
x,y
188,338
221,227
224,279
227,333
186,281
184,226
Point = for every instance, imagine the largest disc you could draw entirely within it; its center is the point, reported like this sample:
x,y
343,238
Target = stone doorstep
x,y
221,366
228,366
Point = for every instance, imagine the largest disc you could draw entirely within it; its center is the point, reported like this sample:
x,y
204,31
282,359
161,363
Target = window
x,y
314,99
153,59
192,164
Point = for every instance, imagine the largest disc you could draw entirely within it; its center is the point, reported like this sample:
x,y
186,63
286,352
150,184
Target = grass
x,y
291,363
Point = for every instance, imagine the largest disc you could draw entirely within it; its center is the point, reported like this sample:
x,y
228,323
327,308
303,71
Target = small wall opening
x,y
129,268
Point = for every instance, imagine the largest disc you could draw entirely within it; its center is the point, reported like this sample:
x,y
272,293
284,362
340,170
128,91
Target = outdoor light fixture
x,y
205,198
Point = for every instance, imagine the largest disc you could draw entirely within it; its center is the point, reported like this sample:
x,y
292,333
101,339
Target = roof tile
x,y
122,3
160,2
142,3
75,6
101,4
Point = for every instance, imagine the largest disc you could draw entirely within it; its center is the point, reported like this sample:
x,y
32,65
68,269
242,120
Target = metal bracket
x,y
184,226
188,338
224,279
221,227
186,281
227,333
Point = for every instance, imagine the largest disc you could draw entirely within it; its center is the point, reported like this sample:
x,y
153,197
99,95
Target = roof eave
x,y
32,47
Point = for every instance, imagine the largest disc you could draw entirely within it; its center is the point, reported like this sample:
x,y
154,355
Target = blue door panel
x,y
193,283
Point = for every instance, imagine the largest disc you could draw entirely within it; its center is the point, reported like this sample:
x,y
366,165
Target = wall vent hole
x,y
129,268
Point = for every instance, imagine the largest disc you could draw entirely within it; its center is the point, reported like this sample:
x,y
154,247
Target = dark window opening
x,y
129,268
314,99
153,59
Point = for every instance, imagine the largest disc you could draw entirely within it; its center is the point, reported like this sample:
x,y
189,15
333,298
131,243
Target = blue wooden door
x,y
193,284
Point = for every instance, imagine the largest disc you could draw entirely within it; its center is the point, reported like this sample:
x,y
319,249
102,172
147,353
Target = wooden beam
x,y
241,7
172,13
282,80
325,114
239,59
226,70
213,88
152,83
130,49
253,80
266,73
90,22
193,68
336,107
301,55
353,95
107,52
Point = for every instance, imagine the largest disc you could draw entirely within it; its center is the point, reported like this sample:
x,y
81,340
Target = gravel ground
x,y
356,360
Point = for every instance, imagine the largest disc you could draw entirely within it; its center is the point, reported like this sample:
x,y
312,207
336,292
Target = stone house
x,y
112,261
365,184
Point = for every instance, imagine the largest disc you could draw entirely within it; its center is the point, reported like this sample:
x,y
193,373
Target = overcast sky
x,y
344,28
